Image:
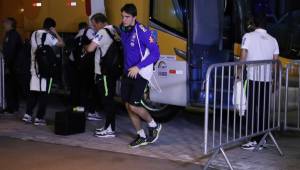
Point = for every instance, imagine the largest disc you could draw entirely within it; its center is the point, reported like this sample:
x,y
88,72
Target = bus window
x,y
170,15
283,22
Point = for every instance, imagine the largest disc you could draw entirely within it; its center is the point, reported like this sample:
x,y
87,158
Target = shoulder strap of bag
x,y
109,33
138,40
35,37
44,36
84,33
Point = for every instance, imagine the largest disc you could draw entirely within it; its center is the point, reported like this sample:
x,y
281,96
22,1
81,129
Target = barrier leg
x,y
273,140
276,144
261,142
215,155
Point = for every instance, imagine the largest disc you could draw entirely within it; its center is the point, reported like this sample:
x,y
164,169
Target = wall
x,y
67,18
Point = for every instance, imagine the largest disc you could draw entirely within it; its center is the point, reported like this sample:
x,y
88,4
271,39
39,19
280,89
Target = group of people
x,y
140,51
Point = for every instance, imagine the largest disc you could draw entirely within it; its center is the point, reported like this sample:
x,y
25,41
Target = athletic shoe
x,y
251,145
99,129
27,118
154,133
104,133
139,141
94,116
39,122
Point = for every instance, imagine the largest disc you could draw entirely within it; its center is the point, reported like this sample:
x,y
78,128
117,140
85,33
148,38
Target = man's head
x,y
82,25
49,23
260,20
99,21
129,13
9,23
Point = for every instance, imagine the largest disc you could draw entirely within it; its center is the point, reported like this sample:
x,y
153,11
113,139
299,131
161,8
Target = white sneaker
x,y
99,129
94,116
39,122
251,145
104,133
27,118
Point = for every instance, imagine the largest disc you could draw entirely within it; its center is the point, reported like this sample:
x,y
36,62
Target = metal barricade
x,y
2,91
224,124
292,96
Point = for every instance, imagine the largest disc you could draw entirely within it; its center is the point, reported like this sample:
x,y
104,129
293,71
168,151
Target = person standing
x,y
38,85
258,45
11,47
105,83
140,53
82,86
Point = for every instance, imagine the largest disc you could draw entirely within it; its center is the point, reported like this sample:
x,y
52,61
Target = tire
x,y
160,112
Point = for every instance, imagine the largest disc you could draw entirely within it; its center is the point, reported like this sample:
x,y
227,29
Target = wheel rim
x,y
150,105
153,106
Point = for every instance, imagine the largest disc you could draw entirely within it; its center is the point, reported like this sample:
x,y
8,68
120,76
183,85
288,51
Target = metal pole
x,y
206,111
286,94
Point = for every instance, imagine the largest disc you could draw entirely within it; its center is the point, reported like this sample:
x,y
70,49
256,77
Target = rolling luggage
x,y
69,122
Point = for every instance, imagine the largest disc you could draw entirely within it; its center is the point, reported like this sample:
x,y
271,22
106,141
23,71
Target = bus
x,y
192,35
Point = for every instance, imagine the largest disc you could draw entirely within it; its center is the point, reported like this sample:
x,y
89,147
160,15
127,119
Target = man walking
x,y
140,52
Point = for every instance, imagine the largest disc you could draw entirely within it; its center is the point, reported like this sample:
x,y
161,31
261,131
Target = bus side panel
x,y
169,82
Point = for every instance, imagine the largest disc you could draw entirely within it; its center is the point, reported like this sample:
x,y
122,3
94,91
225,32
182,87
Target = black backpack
x,y
112,62
45,59
82,59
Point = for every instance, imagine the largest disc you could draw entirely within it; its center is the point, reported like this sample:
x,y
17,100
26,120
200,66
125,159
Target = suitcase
x,y
69,122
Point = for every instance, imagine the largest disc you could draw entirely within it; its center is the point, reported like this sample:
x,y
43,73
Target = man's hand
x,y
60,42
133,72
53,30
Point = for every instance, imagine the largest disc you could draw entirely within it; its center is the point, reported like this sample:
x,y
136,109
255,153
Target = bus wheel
x,y
160,112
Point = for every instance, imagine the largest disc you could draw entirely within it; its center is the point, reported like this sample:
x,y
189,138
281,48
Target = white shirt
x,y
260,46
90,33
36,39
103,40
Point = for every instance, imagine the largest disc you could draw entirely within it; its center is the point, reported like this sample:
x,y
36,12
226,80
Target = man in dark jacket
x,y
11,45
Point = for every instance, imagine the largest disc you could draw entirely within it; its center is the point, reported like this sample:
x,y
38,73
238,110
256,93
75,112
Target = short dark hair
x,y
129,9
99,17
12,22
82,25
260,20
48,23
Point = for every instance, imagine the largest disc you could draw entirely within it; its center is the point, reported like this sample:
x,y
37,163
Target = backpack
x,y
78,50
45,59
112,62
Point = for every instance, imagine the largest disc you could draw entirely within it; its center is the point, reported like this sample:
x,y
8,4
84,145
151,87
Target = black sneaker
x,y
154,133
139,141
